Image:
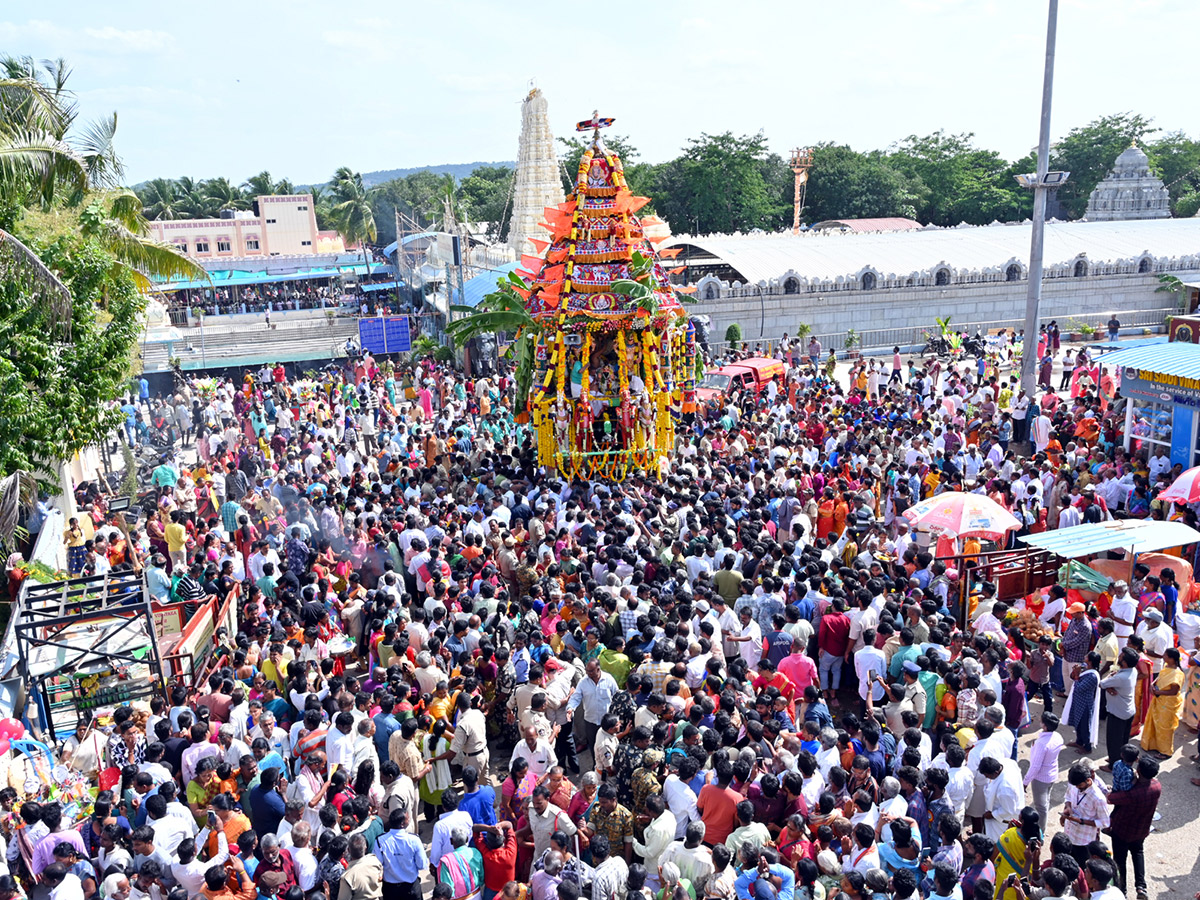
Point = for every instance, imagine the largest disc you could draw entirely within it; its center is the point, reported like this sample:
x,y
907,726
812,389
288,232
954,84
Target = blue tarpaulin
x,y
482,285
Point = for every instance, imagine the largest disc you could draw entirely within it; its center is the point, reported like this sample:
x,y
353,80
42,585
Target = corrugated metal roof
x,y
827,255
1123,534
1173,358
484,283
894,223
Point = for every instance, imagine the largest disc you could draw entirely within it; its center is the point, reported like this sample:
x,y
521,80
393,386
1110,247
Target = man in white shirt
x,y
189,871
870,662
302,856
1158,637
537,752
1123,612
681,799
340,741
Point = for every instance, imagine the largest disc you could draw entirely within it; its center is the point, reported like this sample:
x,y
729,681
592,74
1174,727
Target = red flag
x,y
533,263
540,245
670,253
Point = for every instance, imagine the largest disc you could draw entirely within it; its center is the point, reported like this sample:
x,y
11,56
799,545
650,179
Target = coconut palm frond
x,y
125,206
20,264
37,164
18,493
95,145
26,103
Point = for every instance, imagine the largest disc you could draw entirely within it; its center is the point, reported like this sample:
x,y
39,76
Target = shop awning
x,y
1132,535
1174,358
387,286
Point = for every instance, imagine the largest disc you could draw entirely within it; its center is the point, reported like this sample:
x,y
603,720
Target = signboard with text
x,y
1147,385
382,334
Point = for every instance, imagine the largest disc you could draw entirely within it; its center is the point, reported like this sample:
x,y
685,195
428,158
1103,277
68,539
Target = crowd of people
x,y
457,675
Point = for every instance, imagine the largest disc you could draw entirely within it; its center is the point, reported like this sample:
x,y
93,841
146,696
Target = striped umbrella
x,y
1185,488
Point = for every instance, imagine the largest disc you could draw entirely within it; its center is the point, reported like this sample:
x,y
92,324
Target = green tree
x,y
192,202
69,303
351,210
258,185
220,194
1176,158
162,199
718,185
846,184
483,196
1088,152
965,183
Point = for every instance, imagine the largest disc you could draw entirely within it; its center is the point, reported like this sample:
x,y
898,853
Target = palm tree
x,y
115,220
351,213
18,492
260,184
284,186
162,199
221,194
192,202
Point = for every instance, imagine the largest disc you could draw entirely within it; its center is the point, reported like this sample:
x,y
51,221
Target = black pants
x,y
1121,849
398,891
564,749
1116,736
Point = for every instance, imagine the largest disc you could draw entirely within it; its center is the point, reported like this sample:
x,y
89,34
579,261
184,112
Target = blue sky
x,y
300,88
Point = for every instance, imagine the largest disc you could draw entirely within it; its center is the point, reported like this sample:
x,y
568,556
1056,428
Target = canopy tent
x,y
386,286
239,278
1134,536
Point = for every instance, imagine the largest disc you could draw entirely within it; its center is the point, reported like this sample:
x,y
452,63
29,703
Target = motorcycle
x,y
975,346
936,345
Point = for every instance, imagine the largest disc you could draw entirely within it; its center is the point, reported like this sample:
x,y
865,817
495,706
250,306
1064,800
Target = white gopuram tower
x,y
538,183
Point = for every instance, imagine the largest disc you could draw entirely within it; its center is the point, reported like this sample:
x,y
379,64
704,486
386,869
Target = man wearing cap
x,y
1157,635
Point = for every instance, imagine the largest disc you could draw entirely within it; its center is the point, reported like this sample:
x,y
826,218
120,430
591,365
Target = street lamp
x,y
1040,183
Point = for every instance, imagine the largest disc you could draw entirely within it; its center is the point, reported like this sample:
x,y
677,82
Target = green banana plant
x,y
502,310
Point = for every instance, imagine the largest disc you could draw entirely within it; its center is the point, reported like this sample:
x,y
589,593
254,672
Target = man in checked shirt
x,y
1085,811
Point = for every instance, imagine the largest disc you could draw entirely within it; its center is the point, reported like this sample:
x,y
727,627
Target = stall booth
x,y
1113,548
1162,384
85,645
1110,548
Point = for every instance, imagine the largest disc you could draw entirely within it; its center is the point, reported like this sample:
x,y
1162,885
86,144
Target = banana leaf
x,y
1077,576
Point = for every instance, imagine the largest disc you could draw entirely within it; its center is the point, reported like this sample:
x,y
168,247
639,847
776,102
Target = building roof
x,y
1174,358
831,255
893,223
484,283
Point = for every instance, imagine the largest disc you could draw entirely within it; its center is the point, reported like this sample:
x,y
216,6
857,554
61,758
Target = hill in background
x,y
458,170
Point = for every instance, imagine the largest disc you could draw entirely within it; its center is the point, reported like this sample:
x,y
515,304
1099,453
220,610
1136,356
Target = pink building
x,y
285,225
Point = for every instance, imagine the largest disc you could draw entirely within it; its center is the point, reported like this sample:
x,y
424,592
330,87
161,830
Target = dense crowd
x,y
456,674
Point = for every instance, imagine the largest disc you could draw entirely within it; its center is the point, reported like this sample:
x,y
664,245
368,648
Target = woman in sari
x,y
516,791
1017,850
1165,707
435,750
1141,690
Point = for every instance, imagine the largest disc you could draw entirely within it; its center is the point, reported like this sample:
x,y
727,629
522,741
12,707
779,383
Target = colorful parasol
x,y
1185,488
955,514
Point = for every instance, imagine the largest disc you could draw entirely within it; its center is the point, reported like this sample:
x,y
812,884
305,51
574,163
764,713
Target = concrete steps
x,y
254,345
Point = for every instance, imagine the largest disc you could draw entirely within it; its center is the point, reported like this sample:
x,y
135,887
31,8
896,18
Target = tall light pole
x,y
1033,297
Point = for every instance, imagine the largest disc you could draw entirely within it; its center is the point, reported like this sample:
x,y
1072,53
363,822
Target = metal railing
x,y
882,340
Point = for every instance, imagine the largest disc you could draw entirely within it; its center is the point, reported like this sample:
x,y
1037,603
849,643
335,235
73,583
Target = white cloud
x,y
138,40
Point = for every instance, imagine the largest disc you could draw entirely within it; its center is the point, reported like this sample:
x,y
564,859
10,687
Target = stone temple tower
x,y
1130,191
538,183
